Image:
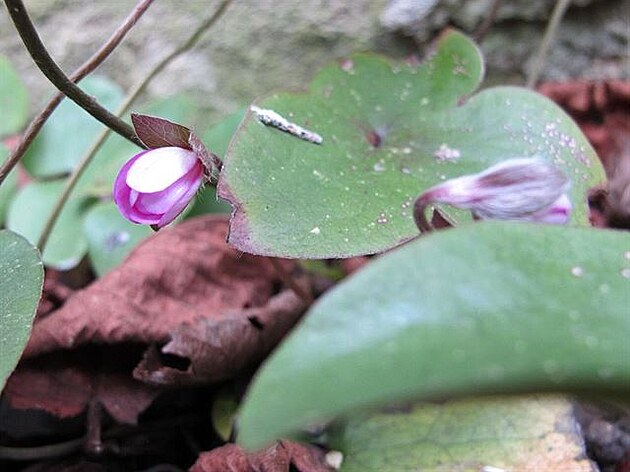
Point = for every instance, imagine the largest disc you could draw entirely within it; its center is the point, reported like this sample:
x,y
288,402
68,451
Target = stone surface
x,y
592,41
266,45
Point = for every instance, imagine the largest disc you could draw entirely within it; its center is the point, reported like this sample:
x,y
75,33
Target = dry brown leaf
x,y
280,457
63,385
180,276
602,109
220,348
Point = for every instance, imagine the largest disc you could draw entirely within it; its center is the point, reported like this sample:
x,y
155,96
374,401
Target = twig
x,y
550,33
131,96
51,451
484,27
51,70
93,438
86,68
290,282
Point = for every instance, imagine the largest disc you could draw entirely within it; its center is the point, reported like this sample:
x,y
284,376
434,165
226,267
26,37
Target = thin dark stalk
x,y
86,68
550,33
419,216
51,70
483,29
131,96
51,451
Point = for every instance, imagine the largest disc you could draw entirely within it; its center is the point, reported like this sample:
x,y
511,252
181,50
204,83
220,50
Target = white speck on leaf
x,y
334,459
577,271
445,153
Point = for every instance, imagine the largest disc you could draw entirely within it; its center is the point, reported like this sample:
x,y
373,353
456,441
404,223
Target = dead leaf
x,y
222,347
63,384
601,109
182,275
54,294
157,132
280,457
617,202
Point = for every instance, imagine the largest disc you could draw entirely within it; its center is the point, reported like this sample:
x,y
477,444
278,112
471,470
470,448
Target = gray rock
x,y
264,45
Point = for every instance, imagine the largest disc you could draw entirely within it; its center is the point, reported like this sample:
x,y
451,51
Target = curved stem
x,y
86,68
483,29
129,99
51,70
419,216
550,33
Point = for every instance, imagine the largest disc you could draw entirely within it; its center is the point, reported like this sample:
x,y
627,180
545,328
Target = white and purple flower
x,y
526,189
155,186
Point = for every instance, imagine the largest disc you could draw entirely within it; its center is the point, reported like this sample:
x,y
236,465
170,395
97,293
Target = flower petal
x,y
122,192
558,213
162,201
178,207
138,216
159,168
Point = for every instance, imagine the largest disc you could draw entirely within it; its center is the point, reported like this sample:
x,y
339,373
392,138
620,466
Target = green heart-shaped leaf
x,y
110,237
216,139
31,208
13,99
21,280
390,130
488,307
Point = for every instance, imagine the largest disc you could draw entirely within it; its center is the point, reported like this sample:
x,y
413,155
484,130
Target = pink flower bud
x,y
557,214
529,189
155,186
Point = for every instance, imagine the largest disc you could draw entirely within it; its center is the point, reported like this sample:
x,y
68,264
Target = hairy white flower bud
x,y
529,189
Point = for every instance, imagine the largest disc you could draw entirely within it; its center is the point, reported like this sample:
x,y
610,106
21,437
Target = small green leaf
x,y
469,435
29,211
206,203
218,137
8,187
70,131
110,237
390,130
486,308
13,99
21,281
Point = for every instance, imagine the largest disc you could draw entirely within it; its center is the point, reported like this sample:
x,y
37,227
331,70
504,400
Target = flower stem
x,y
88,66
419,215
482,30
550,33
129,99
51,70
